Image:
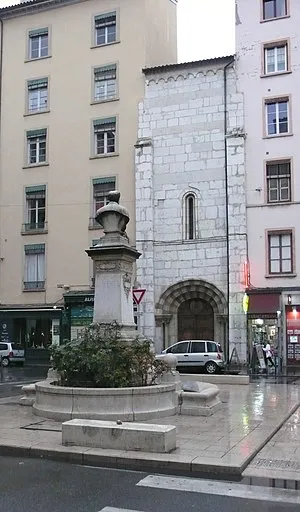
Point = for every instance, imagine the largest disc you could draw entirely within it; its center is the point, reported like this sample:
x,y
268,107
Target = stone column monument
x,y
113,259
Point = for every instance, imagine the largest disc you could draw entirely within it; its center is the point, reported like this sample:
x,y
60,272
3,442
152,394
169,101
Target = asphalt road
x,y
13,377
46,486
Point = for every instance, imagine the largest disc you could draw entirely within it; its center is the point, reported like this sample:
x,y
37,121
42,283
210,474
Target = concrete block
x,y
29,395
205,401
119,436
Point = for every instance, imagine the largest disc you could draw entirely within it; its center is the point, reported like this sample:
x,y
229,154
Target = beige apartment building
x,y
71,81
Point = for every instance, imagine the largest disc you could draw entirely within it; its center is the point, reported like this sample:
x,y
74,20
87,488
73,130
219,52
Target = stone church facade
x,y
190,205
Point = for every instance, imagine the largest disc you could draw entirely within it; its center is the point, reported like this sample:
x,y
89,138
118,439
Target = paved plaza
x,y
257,422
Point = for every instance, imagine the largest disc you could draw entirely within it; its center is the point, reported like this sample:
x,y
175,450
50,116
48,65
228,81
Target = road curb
x,y
269,437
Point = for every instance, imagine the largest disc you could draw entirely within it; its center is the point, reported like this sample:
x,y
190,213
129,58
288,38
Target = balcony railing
x,y
34,227
34,285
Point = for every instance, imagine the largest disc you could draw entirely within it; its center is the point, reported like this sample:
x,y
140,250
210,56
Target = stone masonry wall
x,y
181,149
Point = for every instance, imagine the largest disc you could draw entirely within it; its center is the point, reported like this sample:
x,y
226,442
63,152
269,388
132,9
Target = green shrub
x,y
99,358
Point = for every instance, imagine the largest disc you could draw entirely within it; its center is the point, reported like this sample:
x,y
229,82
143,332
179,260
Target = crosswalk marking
x,y
233,490
113,509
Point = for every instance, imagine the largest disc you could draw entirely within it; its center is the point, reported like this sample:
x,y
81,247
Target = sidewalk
x,y
224,443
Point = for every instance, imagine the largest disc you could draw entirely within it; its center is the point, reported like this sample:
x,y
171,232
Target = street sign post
x,y
138,294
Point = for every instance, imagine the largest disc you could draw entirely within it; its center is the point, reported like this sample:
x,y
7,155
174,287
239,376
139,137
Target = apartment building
x,y
191,206
268,70
71,80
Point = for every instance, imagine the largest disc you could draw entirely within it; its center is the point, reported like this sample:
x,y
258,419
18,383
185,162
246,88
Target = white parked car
x,y
11,353
198,354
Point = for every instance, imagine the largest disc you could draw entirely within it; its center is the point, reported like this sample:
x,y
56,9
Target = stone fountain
x,y
114,260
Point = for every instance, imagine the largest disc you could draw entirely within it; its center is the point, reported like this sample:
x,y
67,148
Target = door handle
x,y
185,355
205,355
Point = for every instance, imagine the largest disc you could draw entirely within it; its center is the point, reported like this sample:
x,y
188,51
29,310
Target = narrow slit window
x,y
190,223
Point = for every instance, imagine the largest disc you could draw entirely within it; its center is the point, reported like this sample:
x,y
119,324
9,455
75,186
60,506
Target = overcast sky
x,y
205,28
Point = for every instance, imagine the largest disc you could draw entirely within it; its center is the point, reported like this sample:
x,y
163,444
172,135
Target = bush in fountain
x,y
100,359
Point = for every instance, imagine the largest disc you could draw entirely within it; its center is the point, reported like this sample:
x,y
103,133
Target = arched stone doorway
x,y
195,318
192,309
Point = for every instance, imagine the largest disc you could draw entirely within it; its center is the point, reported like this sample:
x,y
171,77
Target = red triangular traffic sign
x,y
138,295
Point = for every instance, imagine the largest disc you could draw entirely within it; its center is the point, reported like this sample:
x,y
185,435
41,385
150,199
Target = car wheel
x,y
211,367
5,361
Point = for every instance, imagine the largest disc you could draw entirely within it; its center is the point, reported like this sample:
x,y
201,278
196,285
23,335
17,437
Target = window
x,y
37,95
105,28
35,208
34,267
277,117
276,59
274,9
101,188
280,253
198,347
36,146
279,182
179,348
189,217
38,43
105,83
105,136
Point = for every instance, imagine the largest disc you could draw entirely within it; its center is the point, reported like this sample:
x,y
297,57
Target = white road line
x,y
113,509
234,490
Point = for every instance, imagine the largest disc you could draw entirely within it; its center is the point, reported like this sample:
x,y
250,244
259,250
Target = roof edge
x,y
184,65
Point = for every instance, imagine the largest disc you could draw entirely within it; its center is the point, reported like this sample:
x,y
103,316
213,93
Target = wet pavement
x,y
224,443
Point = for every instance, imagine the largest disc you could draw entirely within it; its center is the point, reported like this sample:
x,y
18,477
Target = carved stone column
x,y
114,259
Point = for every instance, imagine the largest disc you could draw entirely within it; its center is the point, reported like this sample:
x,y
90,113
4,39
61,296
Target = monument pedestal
x,y
114,261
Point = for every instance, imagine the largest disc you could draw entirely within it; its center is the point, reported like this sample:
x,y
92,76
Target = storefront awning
x,y
264,303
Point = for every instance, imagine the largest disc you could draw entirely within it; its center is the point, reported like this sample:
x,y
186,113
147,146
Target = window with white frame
x,y
34,278
279,181
274,9
36,146
38,43
105,28
189,217
105,136
277,116
101,189
280,252
37,95
35,208
105,83
276,58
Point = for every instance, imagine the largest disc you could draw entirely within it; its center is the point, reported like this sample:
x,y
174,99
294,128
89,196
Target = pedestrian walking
x,y
268,352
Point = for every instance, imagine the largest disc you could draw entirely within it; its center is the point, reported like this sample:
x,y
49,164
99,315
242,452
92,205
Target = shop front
x,y
33,329
79,310
263,321
292,315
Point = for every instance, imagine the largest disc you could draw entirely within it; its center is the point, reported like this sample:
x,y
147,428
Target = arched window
x,y
189,217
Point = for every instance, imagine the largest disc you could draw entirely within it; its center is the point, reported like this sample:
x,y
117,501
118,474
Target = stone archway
x,y
174,312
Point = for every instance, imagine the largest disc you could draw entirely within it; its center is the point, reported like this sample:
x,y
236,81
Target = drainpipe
x,y
227,207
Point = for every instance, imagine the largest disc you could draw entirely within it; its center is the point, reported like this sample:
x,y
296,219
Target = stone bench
x,y
199,399
119,436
